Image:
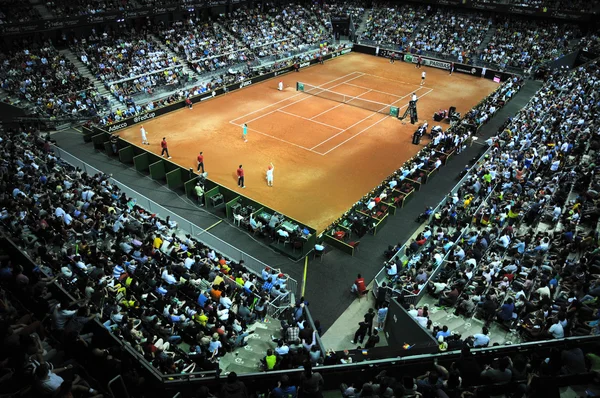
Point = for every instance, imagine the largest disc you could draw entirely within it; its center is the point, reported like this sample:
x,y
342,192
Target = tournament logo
x,y
116,127
141,118
245,84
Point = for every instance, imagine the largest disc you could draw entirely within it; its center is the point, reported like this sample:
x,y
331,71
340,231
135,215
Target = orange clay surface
x,y
327,155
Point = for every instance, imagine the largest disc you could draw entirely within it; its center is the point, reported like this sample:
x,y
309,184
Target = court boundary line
x,y
337,106
360,74
300,100
366,118
397,81
293,96
377,91
313,121
360,132
278,139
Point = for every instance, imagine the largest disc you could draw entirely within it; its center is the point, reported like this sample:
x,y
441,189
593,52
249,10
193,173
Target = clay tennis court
x,y
327,154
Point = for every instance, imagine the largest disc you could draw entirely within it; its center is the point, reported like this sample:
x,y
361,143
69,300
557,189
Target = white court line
x,y
360,121
295,102
305,118
278,139
293,96
359,133
397,81
375,91
337,106
362,131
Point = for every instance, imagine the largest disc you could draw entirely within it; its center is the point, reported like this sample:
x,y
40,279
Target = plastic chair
x,y
318,253
354,244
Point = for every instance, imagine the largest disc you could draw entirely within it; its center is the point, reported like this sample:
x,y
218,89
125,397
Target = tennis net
x,y
372,106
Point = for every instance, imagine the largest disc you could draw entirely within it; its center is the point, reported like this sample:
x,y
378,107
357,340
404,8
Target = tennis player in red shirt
x,y
165,149
240,174
200,162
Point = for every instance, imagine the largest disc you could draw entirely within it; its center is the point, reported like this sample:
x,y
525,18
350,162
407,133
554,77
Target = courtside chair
x,y
319,254
354,244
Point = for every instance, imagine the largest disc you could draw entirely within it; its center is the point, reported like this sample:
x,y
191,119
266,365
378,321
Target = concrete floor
x,y
247,359
339,336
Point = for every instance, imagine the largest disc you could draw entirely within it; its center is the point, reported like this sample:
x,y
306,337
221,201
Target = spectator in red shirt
x,y
359,285
163,145
200,162
240,174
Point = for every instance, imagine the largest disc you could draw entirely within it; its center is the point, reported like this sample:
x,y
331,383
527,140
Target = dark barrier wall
x,y
401,328
566,61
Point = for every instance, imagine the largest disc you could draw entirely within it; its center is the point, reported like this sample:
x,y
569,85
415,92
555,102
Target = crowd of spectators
x,y
522,43
216,82
127,56
452,33
393,25
517,240
71,8
147,284
50,82
276,31
326,11
205,44
13,11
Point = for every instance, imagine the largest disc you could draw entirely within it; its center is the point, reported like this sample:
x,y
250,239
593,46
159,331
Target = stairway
x,y
419,28
488,37
85,72
362,24
172,54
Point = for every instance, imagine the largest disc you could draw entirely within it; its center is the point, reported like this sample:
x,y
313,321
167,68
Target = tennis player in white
x,y
270,170
144,138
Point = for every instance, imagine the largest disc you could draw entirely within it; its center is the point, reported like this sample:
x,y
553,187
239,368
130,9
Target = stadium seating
x,y
519,223
522,43
391,25
452,33
50,83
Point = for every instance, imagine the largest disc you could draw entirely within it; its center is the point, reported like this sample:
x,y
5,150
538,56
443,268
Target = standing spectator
x,y
381,315
373,339
165,149
369,316
311,383
284,389
234,388
360,333
240,176
200,162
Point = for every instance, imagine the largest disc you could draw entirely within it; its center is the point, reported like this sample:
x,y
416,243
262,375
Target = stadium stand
x,y
49,82
16,11
524,262
104,289
390,25
452,33
523,43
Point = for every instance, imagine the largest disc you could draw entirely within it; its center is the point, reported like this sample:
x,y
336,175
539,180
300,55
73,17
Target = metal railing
x,y
208,239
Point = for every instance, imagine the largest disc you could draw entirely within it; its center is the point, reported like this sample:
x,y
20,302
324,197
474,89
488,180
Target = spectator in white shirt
x,y
557,330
